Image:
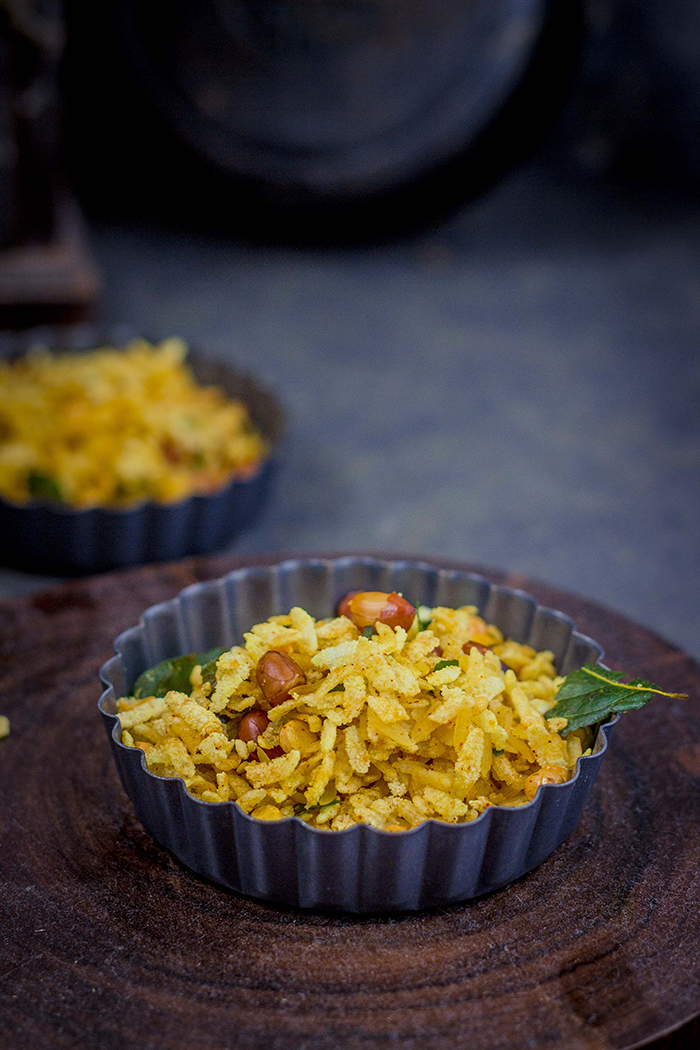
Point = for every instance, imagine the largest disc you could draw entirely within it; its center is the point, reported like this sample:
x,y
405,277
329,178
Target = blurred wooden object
x,y
46,271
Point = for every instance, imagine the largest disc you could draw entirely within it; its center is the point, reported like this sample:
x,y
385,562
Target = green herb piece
x,y
368,632
445,663
172,674
425,617
300,810
496,753
337,688
591,694
42,486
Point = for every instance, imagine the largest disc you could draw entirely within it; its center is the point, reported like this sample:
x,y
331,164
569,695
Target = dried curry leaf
x,y
593,693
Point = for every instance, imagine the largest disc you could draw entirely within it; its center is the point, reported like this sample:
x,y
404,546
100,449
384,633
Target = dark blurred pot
x,y
293,106
337,95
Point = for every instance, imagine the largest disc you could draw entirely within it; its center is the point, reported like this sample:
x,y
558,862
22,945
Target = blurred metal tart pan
x,y
49,537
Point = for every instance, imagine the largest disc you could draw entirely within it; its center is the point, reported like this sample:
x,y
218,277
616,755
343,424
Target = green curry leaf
x,y
43,486
174,674
445,663
593,693
302,810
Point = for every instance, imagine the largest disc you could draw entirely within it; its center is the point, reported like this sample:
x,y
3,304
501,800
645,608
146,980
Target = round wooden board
x,y
107,942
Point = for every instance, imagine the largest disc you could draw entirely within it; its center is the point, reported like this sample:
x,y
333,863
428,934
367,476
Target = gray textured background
x,y
518,389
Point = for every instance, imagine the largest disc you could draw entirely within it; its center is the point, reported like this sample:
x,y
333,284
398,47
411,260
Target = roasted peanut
x,y
252,725
369,607
272,752
548,775
344,605
295,735
276,674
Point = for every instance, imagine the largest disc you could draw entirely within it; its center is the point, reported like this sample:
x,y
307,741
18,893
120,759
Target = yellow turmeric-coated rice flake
x,y
116,427
386,726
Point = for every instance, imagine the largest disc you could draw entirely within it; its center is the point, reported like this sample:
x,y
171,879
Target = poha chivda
x,y
116,427
379,716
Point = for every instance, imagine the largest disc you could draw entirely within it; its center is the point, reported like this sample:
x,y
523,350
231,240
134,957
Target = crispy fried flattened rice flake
x,y
469,758
263,774
328,736
337,630
304,626
320,778
504,771
394,741
385,674
490,724
514,655
251,799
453,699
232,669
153,707
336,655
445,676
387,707
445,805
216,749
191,714
423,645
356,750
171,754
574,750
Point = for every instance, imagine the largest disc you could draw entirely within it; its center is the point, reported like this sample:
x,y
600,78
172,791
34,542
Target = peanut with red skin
x,y
271,752
276,675
252,725
344,605
369,607
468,646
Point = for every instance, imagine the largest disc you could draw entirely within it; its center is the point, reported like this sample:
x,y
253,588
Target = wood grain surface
x,y
107,942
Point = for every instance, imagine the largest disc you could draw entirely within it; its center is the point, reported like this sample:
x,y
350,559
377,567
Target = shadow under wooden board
x,y
107,942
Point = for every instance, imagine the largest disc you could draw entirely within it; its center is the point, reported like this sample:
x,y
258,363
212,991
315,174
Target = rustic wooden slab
x,y
52,281
107,942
